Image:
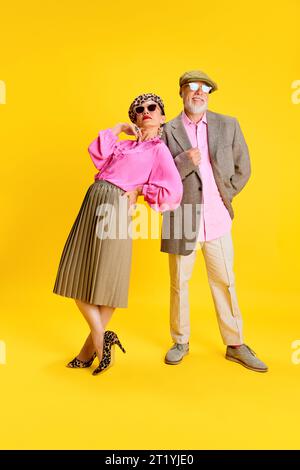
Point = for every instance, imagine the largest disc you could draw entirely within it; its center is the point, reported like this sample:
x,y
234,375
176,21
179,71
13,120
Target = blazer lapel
x,y
213,129
179,133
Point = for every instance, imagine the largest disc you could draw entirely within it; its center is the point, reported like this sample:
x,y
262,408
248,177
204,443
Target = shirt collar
x,y
186,120
153,140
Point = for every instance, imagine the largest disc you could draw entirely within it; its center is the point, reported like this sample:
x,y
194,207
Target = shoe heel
x,y
120,346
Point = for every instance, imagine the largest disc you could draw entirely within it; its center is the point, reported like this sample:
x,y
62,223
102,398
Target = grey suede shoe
x,y
246,357
176,353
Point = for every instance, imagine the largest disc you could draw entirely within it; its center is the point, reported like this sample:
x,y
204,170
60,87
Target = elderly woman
x,y
94,268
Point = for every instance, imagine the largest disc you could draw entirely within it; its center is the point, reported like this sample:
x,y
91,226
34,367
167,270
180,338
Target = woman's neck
x,y
150,133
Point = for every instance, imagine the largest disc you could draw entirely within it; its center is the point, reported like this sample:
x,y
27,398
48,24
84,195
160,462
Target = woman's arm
x,y
103,146
163,190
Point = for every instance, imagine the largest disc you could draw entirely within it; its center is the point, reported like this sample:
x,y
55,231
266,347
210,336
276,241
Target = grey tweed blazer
x,y
230,162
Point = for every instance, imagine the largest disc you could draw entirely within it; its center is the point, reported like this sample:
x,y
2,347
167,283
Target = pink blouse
x,y
128,164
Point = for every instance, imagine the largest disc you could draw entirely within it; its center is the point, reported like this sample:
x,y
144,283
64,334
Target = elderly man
x,y
212,158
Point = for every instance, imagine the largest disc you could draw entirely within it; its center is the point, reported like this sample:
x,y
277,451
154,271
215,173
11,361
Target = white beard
x,y
196,109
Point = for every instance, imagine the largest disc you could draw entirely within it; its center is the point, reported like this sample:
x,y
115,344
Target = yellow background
x,y
71,69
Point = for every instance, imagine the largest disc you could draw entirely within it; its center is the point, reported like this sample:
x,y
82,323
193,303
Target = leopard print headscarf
x,y
140,100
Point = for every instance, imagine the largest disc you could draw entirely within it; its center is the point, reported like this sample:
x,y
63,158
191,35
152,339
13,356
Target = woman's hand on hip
x,y
133,195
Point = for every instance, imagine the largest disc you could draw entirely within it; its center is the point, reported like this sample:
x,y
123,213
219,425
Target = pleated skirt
x,y
95,262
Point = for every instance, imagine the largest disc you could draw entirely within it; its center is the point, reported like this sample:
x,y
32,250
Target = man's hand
x,y
194,155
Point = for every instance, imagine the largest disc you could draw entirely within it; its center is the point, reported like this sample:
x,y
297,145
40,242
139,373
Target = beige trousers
x,y
218,256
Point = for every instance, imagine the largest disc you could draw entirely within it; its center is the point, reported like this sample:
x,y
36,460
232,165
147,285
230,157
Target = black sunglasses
x,y
150,107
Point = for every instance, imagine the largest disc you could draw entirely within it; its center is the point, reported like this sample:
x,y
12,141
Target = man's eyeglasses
x,y
150,107
195,87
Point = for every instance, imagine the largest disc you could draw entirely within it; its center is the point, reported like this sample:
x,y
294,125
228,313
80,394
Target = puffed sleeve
x,y
163,190
102,147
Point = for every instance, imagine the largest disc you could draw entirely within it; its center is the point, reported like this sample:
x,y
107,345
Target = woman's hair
x,y
140,100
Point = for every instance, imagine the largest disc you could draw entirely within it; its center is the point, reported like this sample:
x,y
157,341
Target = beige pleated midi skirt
x,y
96,260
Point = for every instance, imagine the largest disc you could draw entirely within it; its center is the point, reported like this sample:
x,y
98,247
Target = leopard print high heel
x,y
78,364
110,340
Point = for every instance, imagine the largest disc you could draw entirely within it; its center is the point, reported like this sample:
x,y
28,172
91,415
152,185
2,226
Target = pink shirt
x,y
215,220
128,164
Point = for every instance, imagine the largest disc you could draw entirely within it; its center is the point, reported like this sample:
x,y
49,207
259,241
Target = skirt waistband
x,y
108,183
